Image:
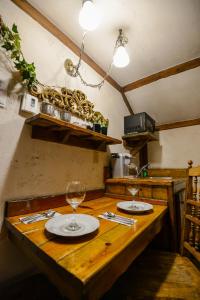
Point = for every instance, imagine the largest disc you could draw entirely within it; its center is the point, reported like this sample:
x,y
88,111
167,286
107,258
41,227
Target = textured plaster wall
x,y
32,167
175,147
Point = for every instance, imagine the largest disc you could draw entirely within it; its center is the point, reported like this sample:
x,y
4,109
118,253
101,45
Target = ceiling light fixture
x,y
88,20
120,60
89,17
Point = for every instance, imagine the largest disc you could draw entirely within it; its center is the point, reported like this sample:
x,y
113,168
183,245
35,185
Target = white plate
x,y
135,206
57,225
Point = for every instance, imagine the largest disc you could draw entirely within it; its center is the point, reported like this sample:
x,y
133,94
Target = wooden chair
x,y
166,275
191,232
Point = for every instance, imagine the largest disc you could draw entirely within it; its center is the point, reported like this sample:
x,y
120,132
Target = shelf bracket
x,y
65,138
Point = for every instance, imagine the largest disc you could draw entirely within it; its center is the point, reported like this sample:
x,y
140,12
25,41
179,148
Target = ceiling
x,y
161,34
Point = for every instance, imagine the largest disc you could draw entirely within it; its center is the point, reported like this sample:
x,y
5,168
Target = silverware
x,y
111,215
31,219
116,220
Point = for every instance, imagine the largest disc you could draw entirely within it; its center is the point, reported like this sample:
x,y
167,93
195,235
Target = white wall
x,y
32,167
175,147
171,99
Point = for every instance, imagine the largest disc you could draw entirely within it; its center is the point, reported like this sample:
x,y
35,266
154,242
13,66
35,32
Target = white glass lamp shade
x,y
89,17
121,58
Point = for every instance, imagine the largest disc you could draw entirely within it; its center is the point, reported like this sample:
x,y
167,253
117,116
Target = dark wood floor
x,y
158,276
153,276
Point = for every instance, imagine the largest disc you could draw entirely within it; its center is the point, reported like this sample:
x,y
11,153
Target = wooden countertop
x,y
88,266
146,181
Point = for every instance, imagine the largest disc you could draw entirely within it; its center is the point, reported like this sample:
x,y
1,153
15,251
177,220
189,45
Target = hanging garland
x,y
73,101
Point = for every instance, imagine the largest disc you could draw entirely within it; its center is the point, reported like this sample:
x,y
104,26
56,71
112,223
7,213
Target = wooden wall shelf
x,y
136,141
54,130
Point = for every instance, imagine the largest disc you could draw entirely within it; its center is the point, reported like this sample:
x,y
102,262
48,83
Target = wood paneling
x,y
194,63
160,193
178,124
143,199
144,181
25,206
175,173
145,191
119,189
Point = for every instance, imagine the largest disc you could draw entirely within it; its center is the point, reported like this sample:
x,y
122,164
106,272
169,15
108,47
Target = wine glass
x,y
75,194
133,190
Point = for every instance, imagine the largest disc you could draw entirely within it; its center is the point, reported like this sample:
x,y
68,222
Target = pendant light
x,y
89,17
121,57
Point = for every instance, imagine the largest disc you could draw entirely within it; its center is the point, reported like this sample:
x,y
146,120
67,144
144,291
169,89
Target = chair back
x,y
191,233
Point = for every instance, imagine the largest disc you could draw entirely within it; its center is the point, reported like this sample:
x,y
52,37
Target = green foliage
x,y
11,42
105,122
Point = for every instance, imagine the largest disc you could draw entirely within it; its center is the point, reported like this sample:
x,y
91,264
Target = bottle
x,y
145,173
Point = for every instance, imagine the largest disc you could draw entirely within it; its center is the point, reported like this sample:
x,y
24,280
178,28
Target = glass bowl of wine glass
x,y
134,190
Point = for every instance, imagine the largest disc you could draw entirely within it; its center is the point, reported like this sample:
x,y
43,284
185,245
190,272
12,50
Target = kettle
x,y
120,164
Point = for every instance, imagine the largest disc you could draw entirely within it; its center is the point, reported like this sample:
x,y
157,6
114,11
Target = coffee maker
x,y
120,164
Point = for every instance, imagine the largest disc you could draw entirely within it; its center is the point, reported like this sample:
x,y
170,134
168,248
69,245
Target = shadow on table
x,y
71,240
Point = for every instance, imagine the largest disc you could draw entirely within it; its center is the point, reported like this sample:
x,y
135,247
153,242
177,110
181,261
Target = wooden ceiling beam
x,y
49,26
127,103
188,65
178,124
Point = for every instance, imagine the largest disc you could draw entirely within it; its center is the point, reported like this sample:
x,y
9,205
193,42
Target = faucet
x,y
141,169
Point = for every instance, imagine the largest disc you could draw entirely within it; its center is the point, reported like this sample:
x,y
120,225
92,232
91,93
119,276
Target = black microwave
x,y
138,123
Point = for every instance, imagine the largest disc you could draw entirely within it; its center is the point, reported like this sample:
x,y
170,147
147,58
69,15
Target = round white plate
x,y
135,206
57,225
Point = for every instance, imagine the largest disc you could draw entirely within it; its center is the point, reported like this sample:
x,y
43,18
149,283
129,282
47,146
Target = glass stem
x,y
74,215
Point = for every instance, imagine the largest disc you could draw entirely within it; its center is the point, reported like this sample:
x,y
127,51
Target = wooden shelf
x,y
137,141
54,130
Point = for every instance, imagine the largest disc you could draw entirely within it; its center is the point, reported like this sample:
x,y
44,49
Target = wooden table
x,y
85,268
155,190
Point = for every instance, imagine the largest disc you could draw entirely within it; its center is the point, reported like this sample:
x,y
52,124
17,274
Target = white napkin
x,y
37,217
